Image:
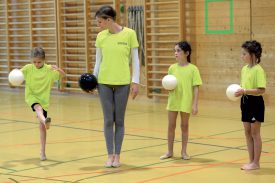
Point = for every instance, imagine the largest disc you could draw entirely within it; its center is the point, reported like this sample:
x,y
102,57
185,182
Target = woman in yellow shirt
x,y
116,47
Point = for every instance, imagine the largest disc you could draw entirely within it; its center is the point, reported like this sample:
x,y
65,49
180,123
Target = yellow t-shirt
x,y
252,78
38,83
116,53
181,98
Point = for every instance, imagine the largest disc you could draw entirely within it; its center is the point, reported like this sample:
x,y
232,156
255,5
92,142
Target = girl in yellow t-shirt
x,y
184,98
39,78
253,83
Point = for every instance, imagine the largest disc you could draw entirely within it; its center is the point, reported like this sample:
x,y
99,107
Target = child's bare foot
x,y
244,166
48,123
166,156
185,157
251,166
43,157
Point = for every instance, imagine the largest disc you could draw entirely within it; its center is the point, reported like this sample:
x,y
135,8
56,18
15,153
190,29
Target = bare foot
x,y
166,156
109,162
244,166
252,166
116,162
186,157
47,123
43,157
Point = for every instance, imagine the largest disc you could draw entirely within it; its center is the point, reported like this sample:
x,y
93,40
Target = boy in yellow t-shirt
x,y
184,98
39,78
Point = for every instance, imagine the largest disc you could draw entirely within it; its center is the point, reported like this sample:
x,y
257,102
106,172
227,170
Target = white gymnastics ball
x,y
231,90
169,82
16,77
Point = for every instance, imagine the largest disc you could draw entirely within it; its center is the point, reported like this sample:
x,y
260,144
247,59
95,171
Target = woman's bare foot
x,y
116,162
109,162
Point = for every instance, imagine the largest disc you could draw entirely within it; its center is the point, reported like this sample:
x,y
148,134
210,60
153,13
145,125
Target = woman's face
x,y
245,56
102,23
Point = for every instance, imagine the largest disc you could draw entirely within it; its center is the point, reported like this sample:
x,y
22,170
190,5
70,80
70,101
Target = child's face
x,y
178,53
38,62
246,57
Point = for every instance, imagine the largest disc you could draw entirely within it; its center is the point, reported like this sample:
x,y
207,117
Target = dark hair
x,y
106,12
185,46
253,47
38,52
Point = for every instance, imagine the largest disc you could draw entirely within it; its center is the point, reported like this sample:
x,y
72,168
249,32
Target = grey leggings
x,y
113,101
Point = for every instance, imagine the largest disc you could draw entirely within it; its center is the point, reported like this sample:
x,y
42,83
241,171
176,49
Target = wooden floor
x,y
76,148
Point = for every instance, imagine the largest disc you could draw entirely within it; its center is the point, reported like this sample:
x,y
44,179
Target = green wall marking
x,y
208,29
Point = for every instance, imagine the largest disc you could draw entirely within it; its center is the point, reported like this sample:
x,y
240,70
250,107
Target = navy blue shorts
x,y
253,108
44,112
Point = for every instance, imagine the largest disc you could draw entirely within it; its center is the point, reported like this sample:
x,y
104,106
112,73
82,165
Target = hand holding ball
x,y
169,82
16,77
231,90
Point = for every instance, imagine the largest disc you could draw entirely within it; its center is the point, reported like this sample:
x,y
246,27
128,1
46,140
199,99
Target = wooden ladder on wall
x,y
26,24
164,26
77,38
66,29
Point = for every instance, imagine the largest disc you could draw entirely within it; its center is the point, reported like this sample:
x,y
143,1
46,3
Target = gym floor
x,y
76,149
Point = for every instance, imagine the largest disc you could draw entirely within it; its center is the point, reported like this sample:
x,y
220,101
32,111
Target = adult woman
x,y
115,45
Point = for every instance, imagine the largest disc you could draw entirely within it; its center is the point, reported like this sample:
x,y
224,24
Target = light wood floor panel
x,y
76,147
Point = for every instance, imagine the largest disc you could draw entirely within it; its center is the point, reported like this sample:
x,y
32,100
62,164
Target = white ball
x,y
231,90
169,82
16,77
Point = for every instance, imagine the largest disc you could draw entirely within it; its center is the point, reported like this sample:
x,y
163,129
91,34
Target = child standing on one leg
x,y
184,98
253,83
39,78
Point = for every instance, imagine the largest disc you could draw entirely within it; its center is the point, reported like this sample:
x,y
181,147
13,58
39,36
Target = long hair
x,y
106,12
185,46
253,47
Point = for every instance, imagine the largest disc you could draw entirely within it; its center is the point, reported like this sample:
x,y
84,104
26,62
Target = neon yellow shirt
x,y
38,84
116,53
181,98
252,78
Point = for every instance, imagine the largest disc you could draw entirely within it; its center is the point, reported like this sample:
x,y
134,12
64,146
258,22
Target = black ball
x,y
87,82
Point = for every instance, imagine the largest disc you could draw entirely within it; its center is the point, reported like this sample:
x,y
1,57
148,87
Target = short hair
x,y
38,52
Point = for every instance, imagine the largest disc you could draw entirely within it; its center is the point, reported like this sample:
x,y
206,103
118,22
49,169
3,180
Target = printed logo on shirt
x,y
122,43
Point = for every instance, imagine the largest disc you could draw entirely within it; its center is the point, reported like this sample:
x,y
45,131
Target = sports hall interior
x,y
76,149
